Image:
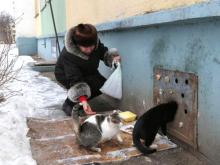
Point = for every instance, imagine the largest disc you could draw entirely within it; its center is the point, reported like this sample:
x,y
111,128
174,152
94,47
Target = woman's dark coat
x,y
78,72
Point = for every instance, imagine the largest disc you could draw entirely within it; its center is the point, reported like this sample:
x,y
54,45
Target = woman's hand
x,y
87,109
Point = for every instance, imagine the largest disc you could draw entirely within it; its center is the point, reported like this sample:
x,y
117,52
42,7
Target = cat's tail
x,y
141,147
76,120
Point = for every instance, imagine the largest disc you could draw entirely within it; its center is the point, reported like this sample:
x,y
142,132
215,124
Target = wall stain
x,y
157,55
216,60
196,55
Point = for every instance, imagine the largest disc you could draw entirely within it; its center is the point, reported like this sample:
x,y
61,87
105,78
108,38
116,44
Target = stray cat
x,y
148,124
96,129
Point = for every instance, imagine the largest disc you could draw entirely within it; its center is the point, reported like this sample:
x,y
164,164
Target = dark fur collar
x,y
72,48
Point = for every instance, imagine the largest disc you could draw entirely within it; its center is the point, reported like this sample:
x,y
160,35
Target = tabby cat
x,y
96,129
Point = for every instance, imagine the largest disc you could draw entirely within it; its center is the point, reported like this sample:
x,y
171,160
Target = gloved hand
x,y
116,58
86,107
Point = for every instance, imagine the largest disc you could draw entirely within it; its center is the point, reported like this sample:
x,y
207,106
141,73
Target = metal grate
x,y
182,87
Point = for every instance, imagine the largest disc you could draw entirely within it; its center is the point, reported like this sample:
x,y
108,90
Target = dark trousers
x,y
95,82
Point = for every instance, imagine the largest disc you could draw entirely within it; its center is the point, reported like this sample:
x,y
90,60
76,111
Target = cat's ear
x,y
115,114
115,111
115,117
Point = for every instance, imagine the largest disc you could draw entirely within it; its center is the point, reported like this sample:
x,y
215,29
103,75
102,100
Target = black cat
x,y
148,124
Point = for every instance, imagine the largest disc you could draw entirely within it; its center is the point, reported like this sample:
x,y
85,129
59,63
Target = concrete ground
x,y
182,155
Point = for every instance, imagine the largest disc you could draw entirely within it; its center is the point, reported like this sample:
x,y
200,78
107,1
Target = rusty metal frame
x,y
182,87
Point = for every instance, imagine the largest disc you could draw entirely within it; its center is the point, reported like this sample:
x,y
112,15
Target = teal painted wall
x,y
190,48
47,49
59,15
26,45
184,39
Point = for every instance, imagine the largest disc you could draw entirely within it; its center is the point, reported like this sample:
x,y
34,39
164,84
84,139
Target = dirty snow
x,y
38,97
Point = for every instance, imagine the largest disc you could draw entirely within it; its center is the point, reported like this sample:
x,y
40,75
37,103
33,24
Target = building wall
x,y
171,41
37,17
27,45
47,48
47,27
184,39
71,12
99,11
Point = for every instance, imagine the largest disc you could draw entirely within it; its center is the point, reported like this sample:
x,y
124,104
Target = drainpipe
x,y
54,25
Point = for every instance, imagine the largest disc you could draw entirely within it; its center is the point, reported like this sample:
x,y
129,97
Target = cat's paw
x,y
149,151
119,139
154,146
96,149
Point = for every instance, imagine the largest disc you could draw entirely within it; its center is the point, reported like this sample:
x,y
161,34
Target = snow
x,y
38,97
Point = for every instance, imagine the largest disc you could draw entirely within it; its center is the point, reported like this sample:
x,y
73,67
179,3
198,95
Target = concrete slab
x,y
54,142
182,155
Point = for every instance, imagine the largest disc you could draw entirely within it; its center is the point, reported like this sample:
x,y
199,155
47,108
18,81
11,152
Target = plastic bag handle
x,y
115,64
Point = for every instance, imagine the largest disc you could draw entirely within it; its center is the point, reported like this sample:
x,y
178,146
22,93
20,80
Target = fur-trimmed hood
x,y
72,48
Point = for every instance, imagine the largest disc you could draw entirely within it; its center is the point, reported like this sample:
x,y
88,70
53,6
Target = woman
x,y
77,66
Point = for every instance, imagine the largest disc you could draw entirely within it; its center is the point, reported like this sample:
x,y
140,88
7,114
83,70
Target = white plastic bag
x,y
113,85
